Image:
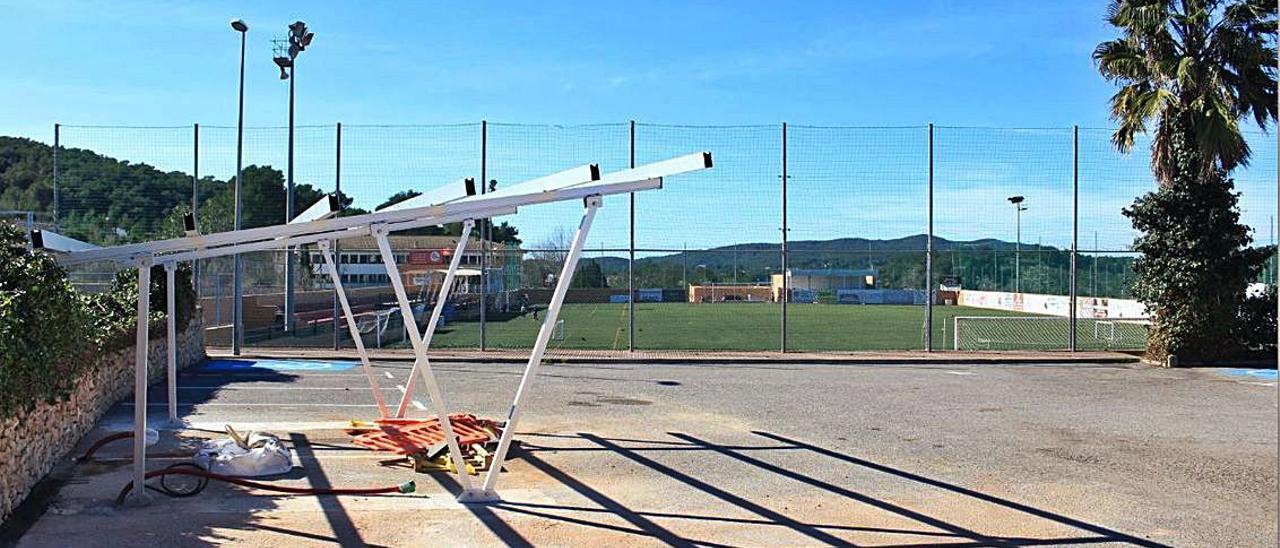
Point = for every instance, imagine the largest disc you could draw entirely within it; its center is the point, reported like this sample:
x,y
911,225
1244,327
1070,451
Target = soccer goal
x,y
1047,333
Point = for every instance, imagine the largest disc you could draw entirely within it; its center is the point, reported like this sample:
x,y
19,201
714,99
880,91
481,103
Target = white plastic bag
x,y
258,455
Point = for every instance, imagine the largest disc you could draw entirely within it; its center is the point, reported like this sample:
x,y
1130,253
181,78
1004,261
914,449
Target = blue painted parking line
x,y
276,365
1253,374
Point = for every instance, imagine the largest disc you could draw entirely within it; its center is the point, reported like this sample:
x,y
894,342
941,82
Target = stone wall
x,y
31,443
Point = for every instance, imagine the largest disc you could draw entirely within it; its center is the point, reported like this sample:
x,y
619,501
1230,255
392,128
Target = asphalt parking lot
x,y
702,454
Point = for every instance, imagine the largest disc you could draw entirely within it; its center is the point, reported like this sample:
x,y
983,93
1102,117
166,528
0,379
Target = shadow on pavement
x,y
645,526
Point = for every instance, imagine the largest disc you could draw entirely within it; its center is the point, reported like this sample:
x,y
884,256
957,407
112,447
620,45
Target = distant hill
x,y
986,263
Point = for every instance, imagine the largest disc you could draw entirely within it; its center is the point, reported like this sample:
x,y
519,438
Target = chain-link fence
x,y
802,238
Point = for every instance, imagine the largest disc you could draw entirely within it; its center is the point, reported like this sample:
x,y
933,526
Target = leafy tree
x,y
588,275
1194,69
397,198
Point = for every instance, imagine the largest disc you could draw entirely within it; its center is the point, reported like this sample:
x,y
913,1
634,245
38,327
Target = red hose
x,y
407,487
96,446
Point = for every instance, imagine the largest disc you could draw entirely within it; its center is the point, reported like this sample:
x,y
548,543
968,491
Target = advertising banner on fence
x,y
880,296
1053,305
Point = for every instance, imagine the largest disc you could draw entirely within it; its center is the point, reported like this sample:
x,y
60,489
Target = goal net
x,y
1047,333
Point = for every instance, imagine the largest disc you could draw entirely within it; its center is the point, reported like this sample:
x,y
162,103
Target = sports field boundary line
x,y
678,357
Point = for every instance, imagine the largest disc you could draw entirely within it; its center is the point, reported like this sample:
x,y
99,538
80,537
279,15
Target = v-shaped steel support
x,y
488,493
421,364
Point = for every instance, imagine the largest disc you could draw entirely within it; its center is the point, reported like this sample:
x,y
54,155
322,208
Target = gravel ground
x,y
736,455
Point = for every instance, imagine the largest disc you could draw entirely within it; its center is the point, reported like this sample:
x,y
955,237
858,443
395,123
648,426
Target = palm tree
x,y
1194,69
1192,66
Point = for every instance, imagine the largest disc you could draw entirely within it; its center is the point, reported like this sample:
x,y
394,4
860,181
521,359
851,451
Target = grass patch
x,y
723,326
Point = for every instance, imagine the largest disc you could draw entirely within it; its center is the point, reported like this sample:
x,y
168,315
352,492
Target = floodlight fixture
x,y
284,63
239,25
1016,199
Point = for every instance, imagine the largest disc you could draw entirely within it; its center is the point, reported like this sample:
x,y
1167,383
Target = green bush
x,y
50,333
1257,325
42,326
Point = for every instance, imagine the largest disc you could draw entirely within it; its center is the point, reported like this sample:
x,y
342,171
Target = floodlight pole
x,y
288,208
420,349
436,311
351,325
237,281
487,493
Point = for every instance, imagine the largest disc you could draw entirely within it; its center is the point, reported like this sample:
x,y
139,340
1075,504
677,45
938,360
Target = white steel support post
x,y
171,340
351,325
430,330
139,492
421,364
592,203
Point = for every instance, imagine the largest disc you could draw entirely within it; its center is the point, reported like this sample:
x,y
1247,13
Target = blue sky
x,y
1018,64
833,63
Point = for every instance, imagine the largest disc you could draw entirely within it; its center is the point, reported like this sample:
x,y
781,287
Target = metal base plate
x,y
478,496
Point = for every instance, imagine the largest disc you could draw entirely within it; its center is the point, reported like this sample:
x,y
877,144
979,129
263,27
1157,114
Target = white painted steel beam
x,y
141,347
171,344
52,241
326,207
479,206
564,179
451,192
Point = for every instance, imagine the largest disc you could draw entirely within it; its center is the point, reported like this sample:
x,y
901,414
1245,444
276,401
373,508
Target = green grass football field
x,y
745,327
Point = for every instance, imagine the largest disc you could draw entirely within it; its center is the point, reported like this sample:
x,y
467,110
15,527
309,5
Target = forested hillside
x,y
108,201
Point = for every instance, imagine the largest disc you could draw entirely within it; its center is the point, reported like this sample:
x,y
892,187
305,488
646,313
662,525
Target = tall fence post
x,y
484,246
337,251
1075,230
786,285
57,143
631,258
928,257
195,200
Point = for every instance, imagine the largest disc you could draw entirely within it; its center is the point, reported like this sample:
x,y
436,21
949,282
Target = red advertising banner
x,y
429,256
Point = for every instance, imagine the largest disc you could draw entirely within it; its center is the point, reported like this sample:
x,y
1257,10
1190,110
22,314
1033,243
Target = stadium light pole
x,y
1018,208
286,58
237,301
